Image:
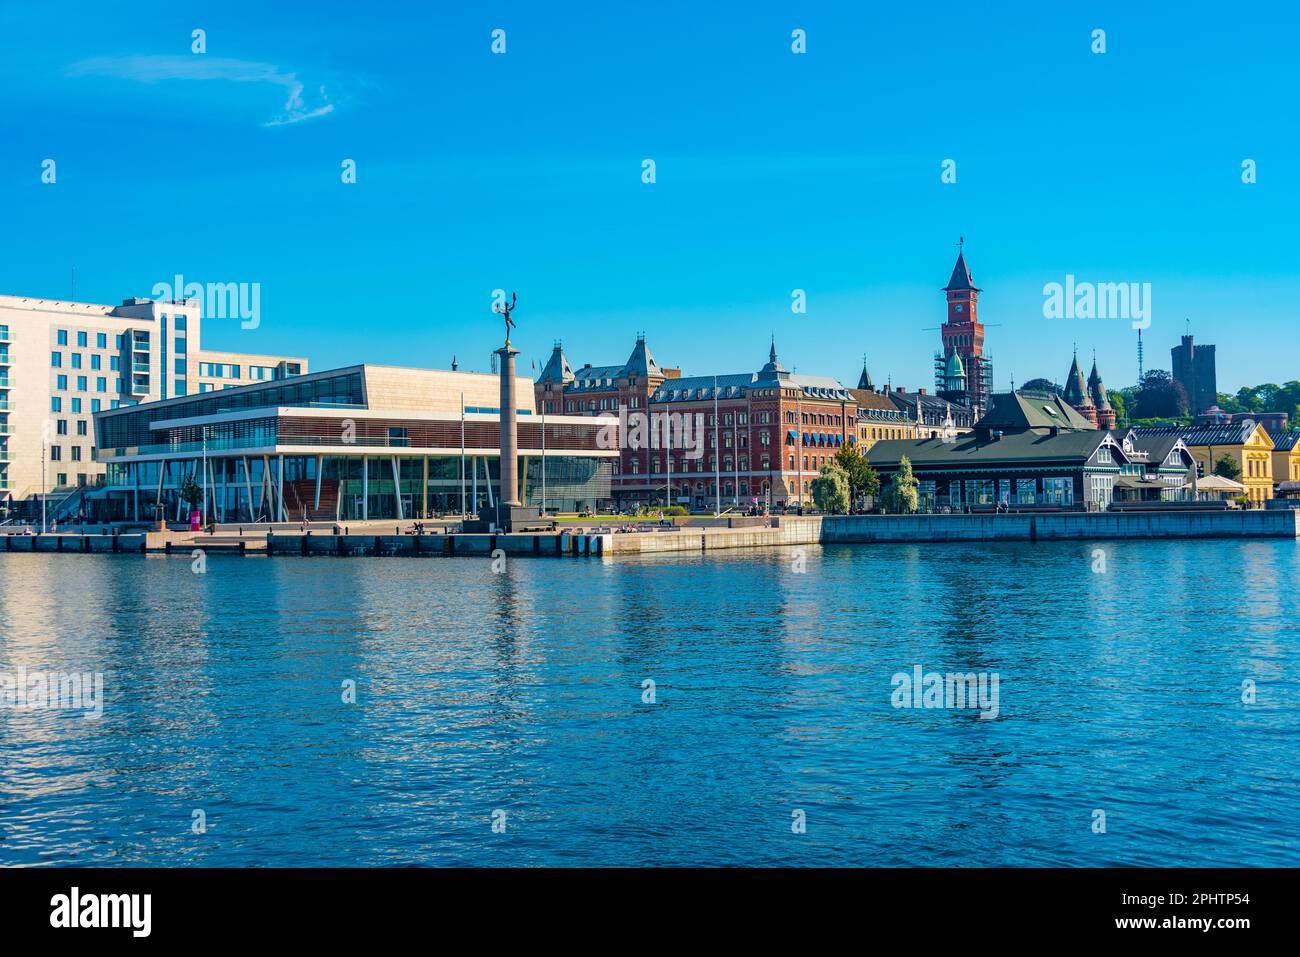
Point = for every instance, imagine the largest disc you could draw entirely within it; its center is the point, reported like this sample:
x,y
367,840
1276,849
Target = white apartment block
x,y
61,362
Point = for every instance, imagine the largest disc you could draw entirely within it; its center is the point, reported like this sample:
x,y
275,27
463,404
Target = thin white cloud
x,y
157,69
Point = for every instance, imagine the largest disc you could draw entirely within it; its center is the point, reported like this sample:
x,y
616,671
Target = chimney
x,y
920,392
901,390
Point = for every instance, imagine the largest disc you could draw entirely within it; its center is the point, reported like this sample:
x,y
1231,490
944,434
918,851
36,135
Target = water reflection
x,y
520,689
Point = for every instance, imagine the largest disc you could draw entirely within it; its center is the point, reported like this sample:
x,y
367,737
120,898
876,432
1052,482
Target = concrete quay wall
x,y
1061,526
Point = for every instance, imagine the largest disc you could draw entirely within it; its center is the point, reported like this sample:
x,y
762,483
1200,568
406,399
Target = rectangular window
x,y
178,345
81,340
101,340
96,362
180,323
95,405
56,360
101,384
178,387
56,404
62,337
114,363
76,405
76,360
179,366
61,427
56,454
81,383
61,382
76,453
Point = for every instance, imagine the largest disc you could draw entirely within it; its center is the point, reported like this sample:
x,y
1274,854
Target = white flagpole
x,y
543,453
462,454
205,475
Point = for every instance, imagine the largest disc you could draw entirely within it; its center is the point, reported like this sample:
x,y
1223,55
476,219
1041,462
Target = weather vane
x,y
505,310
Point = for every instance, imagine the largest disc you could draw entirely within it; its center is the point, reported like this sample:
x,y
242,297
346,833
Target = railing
x,y
261,442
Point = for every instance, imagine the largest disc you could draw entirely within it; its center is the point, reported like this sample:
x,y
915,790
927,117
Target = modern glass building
x,y
359,443
62,362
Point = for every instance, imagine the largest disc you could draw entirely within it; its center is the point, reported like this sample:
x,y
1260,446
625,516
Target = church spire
x,y
961,279
864,380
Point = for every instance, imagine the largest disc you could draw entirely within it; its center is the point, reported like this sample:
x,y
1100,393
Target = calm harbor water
x,y
522,692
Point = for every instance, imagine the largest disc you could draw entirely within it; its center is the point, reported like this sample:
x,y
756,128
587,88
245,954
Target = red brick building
x,y
962,372
764,434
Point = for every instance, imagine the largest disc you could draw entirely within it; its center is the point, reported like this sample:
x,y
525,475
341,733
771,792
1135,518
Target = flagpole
x,y
205,475
798,414
462,455
543,454
717,452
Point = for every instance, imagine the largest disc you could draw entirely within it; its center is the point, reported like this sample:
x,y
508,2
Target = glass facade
x,y
351,488
132,429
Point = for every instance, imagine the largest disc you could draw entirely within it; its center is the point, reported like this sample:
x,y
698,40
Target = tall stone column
x,y
509,429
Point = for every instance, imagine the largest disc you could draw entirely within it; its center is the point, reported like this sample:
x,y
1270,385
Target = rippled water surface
x,y
1119,691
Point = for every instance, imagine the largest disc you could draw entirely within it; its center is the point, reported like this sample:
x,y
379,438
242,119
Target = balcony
x,y
4,382
6,430
6,406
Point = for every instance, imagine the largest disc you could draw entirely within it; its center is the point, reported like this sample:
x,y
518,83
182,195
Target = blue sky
x,y
774,172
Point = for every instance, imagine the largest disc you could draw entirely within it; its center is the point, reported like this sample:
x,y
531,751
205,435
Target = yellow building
x,y
879,418
1286,463
1247,444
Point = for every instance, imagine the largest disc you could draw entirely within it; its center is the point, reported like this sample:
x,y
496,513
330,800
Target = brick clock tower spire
x,y
963,336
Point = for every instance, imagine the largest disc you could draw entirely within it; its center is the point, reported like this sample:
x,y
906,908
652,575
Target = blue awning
x,y
792,435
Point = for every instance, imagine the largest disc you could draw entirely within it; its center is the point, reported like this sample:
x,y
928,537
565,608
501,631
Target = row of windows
x,y
75,405
75,453
221,370
61,426
101,339
815,418
883,433
702,464
101,384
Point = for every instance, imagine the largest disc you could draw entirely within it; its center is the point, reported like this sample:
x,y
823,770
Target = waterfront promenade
x,y
603,538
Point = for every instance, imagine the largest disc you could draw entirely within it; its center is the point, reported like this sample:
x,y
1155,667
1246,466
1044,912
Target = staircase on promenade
x,y
300,499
